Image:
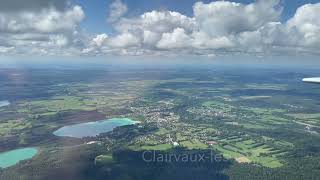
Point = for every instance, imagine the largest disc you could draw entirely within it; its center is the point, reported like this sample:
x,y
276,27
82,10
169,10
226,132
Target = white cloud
x,y
54,21
59,40
203,41
102,43
219,27
117,10
150,38
46,29
157,22
306,23
44,21
177,39
100,39
124,40
145,31
222,18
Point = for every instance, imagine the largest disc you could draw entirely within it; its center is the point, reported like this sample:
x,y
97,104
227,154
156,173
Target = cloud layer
x,y
219,27
48,27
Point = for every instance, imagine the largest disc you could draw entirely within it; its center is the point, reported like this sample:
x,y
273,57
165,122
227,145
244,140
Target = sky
x,y
160,28
96,10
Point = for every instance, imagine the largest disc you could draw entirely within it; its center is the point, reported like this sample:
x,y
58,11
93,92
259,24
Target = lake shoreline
x,y
94,128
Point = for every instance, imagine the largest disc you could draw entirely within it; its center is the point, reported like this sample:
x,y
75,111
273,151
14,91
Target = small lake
x,y
4,103
11,158
92,128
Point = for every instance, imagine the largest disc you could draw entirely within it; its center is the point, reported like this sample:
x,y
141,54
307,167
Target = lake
x,y
92,128
12,157
4,103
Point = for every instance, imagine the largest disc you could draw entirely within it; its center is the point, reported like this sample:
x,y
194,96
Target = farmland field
x,y
259,121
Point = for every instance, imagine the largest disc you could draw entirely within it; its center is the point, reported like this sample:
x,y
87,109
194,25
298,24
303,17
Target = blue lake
x,y
11,158
92,128
4,103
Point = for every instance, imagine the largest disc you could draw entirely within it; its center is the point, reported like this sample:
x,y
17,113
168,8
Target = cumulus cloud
x,y
146,30
139,35
45,21
177,39
40,26
117,10
99,40
306,24
102,43
215,26
222,18
219,27
223,26
124,40
202,40
156,21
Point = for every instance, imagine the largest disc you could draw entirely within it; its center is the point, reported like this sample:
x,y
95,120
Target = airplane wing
x,y
312,80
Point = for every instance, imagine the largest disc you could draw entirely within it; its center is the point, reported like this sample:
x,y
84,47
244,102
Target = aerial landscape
x,y
202,90
263,123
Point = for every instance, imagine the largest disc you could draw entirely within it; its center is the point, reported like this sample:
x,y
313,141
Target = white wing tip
x,y
312,80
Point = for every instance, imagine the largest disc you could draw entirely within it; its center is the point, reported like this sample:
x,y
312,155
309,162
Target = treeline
x,y
296,169
129,165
